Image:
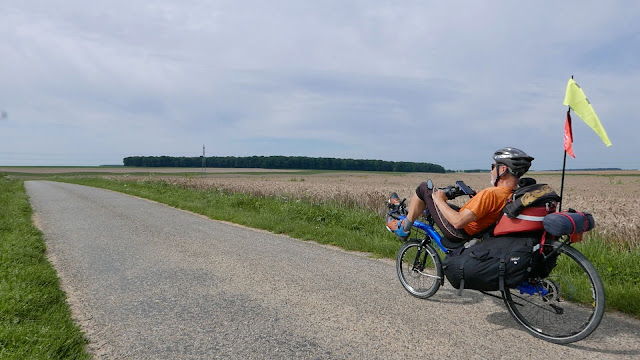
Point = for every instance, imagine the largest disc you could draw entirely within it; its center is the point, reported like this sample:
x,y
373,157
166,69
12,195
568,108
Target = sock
x,y
406,225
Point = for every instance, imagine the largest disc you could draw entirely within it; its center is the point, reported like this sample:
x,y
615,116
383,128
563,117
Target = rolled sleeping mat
x,y
567,222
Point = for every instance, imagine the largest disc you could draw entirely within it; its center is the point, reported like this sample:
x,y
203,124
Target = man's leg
x,y
448,230
416,208
421,201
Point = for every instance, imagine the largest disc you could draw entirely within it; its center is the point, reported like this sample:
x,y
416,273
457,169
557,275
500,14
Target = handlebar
x,y
459,189
398,207
451,192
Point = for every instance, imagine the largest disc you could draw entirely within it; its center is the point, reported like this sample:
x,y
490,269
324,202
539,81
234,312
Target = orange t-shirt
x,y
487,206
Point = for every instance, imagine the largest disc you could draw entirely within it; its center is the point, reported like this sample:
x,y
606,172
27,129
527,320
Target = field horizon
x,y
55,169
608,195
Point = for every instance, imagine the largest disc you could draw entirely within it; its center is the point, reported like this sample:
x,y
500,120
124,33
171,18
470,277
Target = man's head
x,y
509,162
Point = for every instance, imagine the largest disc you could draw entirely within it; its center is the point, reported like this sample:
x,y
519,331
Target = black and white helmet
x,y
516,160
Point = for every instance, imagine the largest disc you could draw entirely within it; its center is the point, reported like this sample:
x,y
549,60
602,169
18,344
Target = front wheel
x,y
565,306
419,269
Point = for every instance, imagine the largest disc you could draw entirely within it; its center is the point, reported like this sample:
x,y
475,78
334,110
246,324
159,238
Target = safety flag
x,y
568,136
579,103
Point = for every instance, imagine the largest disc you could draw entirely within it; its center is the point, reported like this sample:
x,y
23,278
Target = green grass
x,y
359,229
35,320
619,269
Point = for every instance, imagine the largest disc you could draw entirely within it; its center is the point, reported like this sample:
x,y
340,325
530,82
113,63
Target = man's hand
x,y
439,195
458,219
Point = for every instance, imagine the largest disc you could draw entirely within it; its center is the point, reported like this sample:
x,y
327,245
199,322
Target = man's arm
x,y
458,219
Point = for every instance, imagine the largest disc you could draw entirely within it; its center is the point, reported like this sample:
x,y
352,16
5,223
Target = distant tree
x,y
283,162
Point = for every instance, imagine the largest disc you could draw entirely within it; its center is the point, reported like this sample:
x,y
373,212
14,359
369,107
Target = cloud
x,y
416,81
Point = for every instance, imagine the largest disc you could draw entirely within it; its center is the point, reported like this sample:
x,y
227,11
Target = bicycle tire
x,y
419,269
574,305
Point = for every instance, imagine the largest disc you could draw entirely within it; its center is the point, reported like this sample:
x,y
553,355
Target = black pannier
x,y
542,268
496,263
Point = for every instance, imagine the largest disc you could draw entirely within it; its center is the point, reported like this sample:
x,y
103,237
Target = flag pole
x,y
564,165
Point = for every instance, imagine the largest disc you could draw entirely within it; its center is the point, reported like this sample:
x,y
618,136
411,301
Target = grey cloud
x,y
451,83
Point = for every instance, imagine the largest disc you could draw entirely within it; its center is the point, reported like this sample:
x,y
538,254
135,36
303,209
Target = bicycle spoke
x,y
532,303
429,275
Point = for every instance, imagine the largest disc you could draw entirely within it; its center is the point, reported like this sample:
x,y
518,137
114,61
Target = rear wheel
x,y
419,269
563,307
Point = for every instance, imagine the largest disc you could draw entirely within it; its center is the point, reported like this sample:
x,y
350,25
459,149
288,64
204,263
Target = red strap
x,y
586,221
544,237
570,219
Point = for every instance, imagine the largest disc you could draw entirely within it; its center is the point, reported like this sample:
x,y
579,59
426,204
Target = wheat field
x,y
612,198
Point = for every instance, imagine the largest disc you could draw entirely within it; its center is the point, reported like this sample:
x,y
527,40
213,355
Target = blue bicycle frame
x,y
525,287
431,232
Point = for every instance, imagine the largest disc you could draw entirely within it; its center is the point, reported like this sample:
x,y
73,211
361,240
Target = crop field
x,y
612,198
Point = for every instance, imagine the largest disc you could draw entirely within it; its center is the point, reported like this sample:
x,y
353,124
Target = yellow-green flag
x,y
579,103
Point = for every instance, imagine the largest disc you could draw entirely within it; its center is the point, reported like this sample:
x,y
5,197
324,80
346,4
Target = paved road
x,y
148,281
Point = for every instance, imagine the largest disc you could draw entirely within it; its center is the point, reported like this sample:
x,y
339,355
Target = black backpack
x,y
495,263
532,195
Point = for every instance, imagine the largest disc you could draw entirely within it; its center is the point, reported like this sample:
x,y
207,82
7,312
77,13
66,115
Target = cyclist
x,y
482,211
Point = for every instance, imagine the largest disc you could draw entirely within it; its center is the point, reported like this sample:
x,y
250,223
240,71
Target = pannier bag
x,y
529,219
568,223
493,264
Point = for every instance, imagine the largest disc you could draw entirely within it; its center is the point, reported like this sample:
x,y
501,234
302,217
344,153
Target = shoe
x,y
397,227
394,201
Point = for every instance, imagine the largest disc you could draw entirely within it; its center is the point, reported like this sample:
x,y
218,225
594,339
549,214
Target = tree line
x,y
282,162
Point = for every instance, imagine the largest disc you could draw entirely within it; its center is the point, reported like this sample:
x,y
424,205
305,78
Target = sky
x,y
425,81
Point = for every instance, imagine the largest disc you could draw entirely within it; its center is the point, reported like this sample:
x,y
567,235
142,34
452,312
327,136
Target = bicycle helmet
x,y
516,160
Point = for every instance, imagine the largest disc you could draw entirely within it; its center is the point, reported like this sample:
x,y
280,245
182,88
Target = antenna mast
x,y
204,161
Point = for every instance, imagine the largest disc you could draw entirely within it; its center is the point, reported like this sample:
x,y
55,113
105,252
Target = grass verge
x,y
356,229
35,320
619,269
